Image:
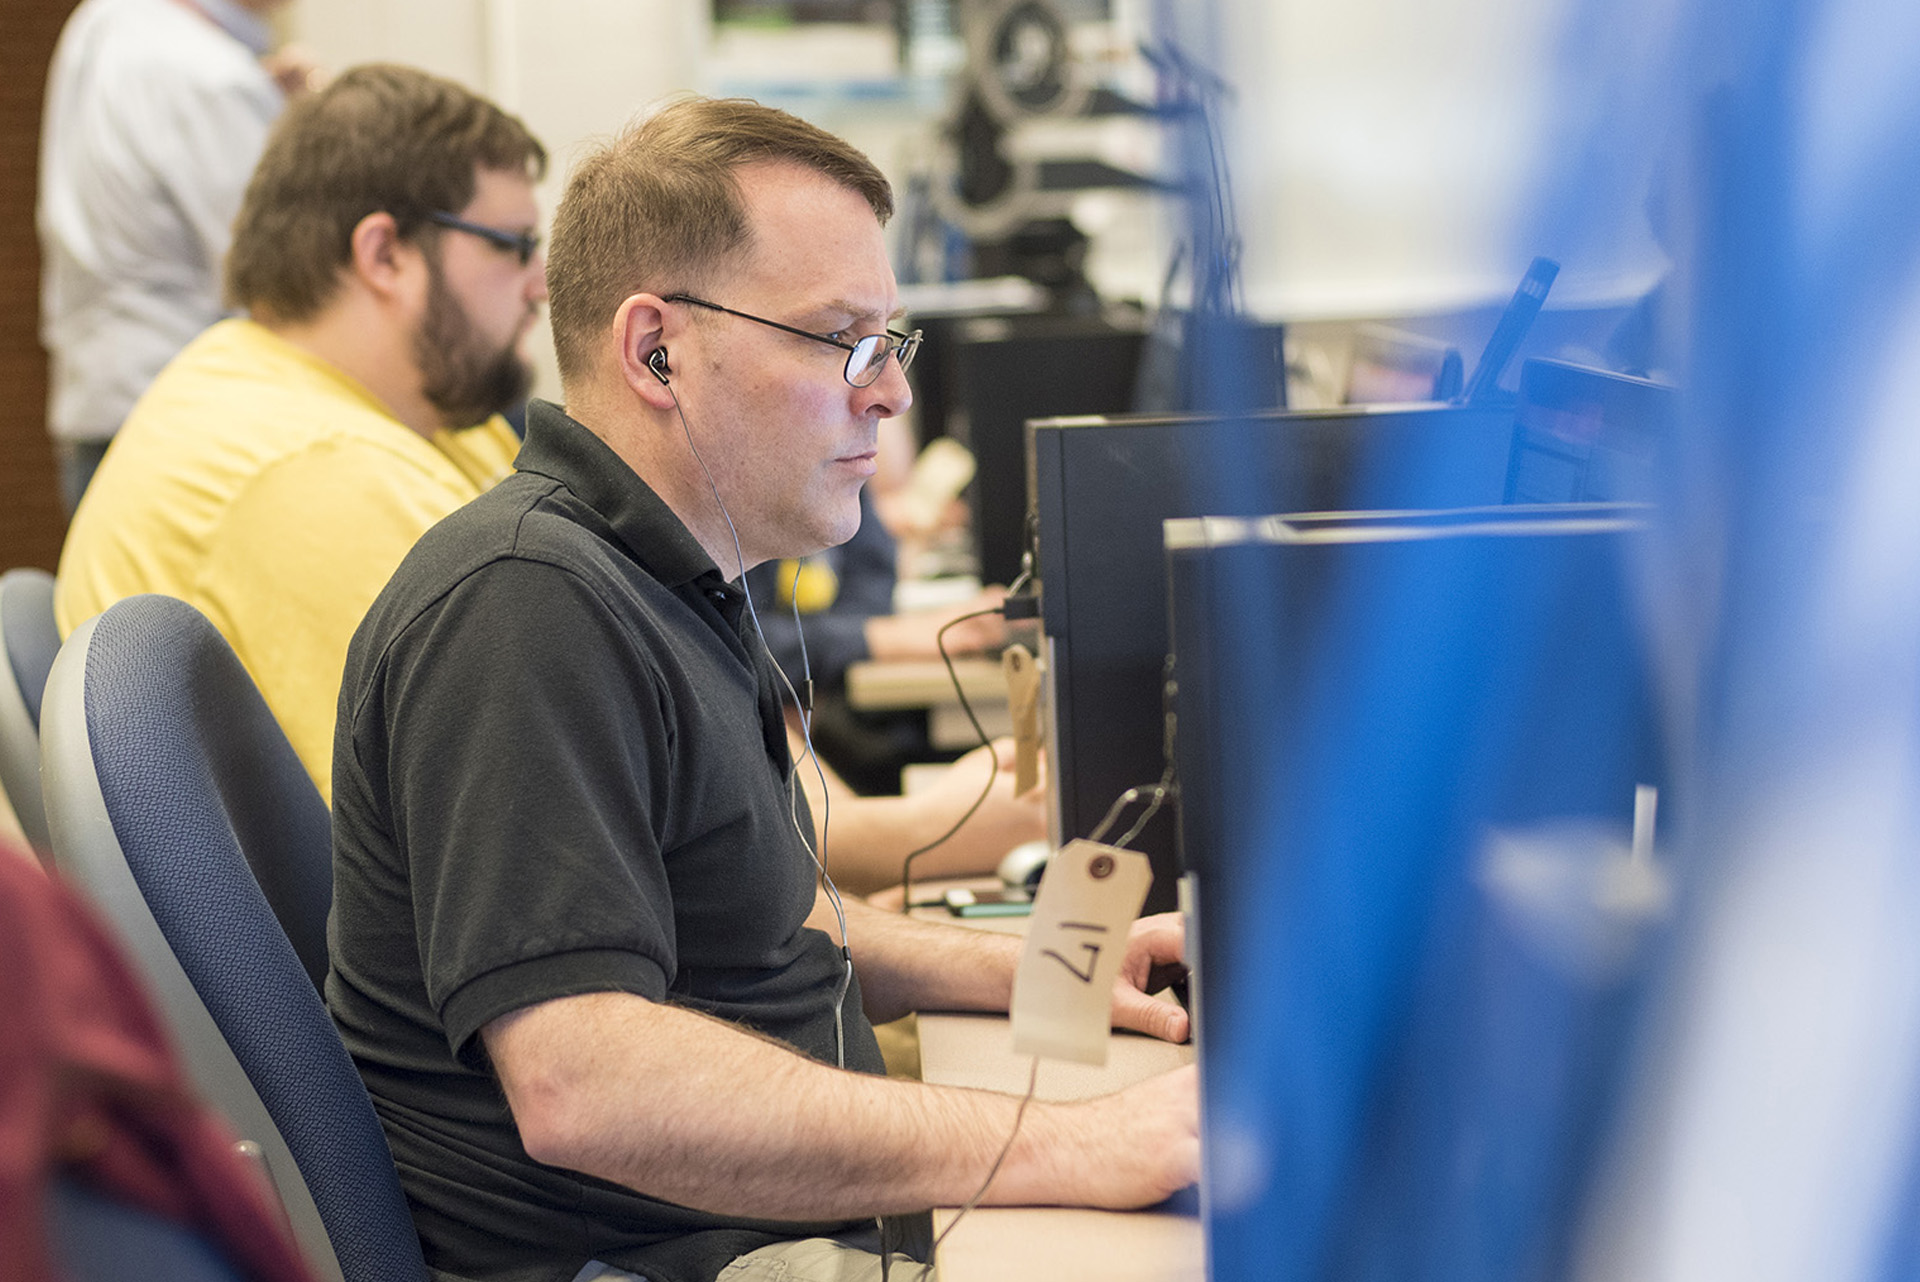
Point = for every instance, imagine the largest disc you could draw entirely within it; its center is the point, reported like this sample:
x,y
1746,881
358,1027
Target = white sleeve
x,y
216,132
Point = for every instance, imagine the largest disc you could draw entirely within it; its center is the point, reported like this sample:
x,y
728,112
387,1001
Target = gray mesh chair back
x,y
175,800
31,641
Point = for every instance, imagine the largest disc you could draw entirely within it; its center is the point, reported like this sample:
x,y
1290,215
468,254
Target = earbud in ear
x,y
658,364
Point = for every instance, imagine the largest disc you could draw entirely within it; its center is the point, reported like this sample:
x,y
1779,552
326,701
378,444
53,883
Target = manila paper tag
x,y
1076,939
1023,705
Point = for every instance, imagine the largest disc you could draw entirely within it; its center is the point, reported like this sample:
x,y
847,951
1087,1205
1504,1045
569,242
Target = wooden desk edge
x,y
881,685
1055,1243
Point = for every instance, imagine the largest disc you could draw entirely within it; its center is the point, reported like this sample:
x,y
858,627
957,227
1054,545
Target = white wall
x,y
1388,155
572,69
1385,152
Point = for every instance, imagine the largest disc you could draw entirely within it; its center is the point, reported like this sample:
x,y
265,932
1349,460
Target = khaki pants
x,y
814,1259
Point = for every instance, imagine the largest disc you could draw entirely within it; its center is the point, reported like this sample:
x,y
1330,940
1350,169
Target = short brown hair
x,y
379,137
659,208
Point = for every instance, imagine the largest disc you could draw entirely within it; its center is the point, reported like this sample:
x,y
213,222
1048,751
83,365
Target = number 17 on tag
x,y
1076,940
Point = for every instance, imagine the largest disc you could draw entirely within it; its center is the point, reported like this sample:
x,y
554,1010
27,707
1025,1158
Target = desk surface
x,y
875,685
1008,1244
879,685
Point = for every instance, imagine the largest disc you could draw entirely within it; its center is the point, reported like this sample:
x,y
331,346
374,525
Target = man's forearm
x,y
907,965
685,1108
867,839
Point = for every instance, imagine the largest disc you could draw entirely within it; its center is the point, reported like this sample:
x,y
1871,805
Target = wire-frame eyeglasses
x,y
866,357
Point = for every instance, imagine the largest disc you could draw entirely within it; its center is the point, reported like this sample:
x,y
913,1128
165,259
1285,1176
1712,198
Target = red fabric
x,y
90,1086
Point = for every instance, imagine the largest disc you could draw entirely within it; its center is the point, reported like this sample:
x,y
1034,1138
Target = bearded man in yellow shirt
x,y
280,467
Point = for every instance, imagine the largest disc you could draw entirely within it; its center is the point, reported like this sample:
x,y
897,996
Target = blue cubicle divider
x,y
1756,1109
1423,931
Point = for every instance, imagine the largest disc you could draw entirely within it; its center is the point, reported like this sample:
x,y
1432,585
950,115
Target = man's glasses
x,y
523,243
866,357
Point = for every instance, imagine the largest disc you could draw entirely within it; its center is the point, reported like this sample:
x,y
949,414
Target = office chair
x,y
174,799
31,641
111,1168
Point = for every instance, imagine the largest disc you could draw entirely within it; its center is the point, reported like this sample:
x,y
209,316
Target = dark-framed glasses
x,y
523,243
866,357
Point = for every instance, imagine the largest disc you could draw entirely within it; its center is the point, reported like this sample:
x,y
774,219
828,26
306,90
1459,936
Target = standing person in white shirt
x,y
156,112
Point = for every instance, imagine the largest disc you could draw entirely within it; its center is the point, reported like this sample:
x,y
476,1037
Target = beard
x,y
463,377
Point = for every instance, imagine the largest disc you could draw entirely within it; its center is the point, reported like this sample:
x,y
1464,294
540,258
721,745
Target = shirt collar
x,y
243,24
561,448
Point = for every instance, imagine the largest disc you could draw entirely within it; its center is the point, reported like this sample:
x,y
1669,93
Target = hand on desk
x,y
1142,1144
1156,949
1119,1152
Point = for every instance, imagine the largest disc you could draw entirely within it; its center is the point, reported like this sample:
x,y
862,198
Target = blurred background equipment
x,y
1009,196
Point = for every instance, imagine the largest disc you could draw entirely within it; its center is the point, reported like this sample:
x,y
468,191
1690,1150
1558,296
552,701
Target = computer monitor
x,y
1004,370
1101,488
1483,384
1587,435
1409,747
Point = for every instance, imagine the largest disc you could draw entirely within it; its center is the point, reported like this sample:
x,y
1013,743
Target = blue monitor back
x,y
1101,488
1408,750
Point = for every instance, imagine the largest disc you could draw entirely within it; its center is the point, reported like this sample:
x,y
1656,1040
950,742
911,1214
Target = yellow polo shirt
x,y
275,494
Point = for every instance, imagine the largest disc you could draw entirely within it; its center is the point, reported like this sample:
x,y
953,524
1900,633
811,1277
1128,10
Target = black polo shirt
x,y
561,768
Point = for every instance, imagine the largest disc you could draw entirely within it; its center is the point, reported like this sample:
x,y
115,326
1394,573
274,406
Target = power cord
x,y
906,865
1157,791
1160,790
1019,1115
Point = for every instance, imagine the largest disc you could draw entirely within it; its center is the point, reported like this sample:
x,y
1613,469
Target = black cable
x,y
1162,789
1033,1080
906,865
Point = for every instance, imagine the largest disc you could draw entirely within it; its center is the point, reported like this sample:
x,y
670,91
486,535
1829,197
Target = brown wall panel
x,y
31,523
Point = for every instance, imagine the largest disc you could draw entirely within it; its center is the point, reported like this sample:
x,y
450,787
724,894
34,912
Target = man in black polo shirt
x,y
579,949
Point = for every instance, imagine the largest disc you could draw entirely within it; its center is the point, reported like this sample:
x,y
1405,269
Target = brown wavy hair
x,y
659,208
379,137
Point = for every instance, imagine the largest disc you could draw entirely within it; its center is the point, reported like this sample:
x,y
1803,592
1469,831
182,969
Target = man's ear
x,y
639,333
381,259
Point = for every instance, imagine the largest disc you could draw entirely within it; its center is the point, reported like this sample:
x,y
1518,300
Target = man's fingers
x,y
1142,1014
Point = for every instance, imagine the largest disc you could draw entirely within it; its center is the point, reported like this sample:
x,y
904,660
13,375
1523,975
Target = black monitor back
x,y
1101,489
1004,370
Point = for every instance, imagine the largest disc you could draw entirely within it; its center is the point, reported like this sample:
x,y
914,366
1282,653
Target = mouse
x,y
1025,863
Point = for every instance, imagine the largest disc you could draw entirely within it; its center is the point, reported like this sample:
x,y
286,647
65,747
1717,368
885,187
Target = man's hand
x,y
1119,1151
678,1106
1156,953
915,636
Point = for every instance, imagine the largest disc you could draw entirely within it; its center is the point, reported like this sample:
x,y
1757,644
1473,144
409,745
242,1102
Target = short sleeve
x,y
521,740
